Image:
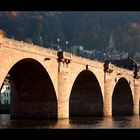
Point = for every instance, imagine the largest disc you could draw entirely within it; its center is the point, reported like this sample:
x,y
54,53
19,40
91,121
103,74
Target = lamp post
x,y
67,45
58,47
58,42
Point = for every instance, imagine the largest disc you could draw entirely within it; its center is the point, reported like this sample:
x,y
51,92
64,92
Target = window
x,y
5,101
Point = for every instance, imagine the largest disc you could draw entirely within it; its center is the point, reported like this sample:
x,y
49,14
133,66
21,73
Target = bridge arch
x,y
32,94
122,98
86,96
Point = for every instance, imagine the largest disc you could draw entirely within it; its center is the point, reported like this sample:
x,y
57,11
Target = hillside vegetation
x,y
89,29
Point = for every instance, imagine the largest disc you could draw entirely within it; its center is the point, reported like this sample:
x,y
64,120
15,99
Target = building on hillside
x,y
5,92
5,96
125,63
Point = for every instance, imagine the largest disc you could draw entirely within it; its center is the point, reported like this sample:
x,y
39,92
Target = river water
x,y
72,123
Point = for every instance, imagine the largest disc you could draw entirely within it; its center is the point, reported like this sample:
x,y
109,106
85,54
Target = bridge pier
x,y
63,85
108,88
63,98
136,97
107,107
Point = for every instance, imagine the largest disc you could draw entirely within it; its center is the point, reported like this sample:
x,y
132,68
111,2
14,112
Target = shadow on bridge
x,y
32,92
86,97
122,100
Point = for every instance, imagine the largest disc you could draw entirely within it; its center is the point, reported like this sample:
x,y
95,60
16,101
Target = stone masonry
x,y
51,84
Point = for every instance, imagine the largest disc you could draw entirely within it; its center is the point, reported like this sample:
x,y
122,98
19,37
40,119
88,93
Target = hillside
x,y
89,29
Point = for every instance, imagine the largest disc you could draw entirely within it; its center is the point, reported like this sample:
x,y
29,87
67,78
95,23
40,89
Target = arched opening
x,y
122,100
86,96
32,91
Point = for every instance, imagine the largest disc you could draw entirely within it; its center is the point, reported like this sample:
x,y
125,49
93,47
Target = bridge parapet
x,y
123,71
26,47
86,61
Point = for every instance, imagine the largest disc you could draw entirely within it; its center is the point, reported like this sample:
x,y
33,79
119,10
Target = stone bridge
x,y
50,84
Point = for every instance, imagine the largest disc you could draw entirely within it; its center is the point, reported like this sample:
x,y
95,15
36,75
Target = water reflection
x,y
72,123
86,122
107,122
135,122
6,122
62,123
126,121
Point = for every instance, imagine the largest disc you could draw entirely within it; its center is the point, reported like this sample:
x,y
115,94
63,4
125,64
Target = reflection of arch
x,y
122,100
86,96
33,93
